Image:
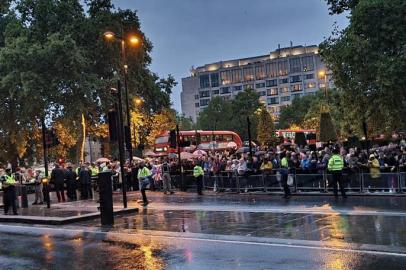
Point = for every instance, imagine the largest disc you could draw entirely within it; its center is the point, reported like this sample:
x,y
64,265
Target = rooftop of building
x,y
278,53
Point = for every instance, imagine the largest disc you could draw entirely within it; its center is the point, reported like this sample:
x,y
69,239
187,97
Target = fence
x,y
354,182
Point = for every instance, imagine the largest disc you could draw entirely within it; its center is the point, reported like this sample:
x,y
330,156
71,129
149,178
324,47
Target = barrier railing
x,y
354,182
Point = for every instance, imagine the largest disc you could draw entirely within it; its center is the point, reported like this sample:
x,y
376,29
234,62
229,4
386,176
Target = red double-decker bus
x,y
203,140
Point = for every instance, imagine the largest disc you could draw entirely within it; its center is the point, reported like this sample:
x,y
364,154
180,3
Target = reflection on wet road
x,y
377,230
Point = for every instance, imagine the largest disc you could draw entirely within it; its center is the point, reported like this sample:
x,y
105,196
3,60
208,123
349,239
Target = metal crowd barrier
x,y
354,182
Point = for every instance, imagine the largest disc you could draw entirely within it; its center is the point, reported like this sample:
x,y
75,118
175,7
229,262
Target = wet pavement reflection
x,y
337,229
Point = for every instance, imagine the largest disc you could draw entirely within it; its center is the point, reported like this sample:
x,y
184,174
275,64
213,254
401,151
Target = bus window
x,y
228,138
163,139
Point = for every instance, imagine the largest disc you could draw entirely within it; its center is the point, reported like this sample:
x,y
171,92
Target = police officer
x,y
284,171
198,175
144,175
9,192
335,166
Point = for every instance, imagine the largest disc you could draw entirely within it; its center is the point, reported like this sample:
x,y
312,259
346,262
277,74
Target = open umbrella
x,y
243,150
149,153
200,153
232,145
260,153
186,155
172,155
137,159
102,160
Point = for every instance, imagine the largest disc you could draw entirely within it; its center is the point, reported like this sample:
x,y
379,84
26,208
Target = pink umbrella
x,y
200,153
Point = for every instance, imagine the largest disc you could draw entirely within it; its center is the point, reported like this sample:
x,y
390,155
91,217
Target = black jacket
x,y
58,176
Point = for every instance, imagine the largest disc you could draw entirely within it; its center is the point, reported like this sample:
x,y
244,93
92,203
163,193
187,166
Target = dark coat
x,y
85,177
58,176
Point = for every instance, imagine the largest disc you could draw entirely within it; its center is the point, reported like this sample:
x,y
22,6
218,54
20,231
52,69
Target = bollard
x,y
45,191
106,198
24,199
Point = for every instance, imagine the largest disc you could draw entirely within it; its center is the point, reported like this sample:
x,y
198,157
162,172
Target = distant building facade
x,y
278,78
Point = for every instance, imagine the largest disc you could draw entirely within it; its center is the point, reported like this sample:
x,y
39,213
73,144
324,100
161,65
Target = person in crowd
x,y
144,178
39,197
85,179
9,193
166,177
198,175
284,171
58,180
71,183
335,166
374,172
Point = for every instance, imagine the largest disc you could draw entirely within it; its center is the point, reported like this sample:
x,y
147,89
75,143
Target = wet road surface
x,y
47,252
220,232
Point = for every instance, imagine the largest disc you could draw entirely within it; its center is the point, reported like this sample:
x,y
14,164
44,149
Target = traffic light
x,y
51,139
112,118
172,138
127,137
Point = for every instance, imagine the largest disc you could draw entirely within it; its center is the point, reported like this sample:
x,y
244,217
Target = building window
x,y
260,72
274,110
225,77
296,87
283,68
225,90
260,85
204,81
271,69
322,85
226,98
215,92
215,80
248,73
284,89
294,79
296,96
308,63
197,104
310,85
204,94
237,88
295,65
248,86
262,93
204,102
270,83
197,96
272,100
284,80
285,98
309,76
272,91
236,76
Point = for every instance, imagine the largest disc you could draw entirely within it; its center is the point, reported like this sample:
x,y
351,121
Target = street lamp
x,y
133,40
323,75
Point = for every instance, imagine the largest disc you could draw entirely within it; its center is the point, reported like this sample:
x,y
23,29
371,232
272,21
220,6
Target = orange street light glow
x,y
134,40
109,35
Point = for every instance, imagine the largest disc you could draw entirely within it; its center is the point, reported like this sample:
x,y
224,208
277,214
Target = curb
x,y
59,220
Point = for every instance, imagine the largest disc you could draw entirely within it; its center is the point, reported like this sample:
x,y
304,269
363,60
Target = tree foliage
x,y
266,135
232,115
55,64
368,61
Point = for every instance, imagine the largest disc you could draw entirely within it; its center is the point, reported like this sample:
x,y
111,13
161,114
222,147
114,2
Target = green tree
x,y
368,62
216,116
265,130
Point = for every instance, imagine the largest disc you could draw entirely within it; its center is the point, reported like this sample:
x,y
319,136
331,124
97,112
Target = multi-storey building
x,y
278,78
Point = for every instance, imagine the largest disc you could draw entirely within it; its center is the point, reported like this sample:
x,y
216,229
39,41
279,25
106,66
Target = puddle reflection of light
x,y
189,255
48,244
151,263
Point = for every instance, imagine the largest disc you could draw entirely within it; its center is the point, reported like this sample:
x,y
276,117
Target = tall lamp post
x,y
133,40
323,75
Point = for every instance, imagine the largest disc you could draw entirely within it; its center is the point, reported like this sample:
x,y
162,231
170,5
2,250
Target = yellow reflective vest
x,y
198,171
335,163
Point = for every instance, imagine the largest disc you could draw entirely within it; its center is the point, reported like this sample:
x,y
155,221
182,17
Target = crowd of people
x,y
162,173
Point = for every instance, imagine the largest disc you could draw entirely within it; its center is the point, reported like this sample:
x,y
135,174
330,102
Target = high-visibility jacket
x,y
95,171
266,166
9,181
335,163
198,171
284,162
144,172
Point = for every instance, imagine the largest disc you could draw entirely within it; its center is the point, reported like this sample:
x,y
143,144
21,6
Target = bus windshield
x,y
163,139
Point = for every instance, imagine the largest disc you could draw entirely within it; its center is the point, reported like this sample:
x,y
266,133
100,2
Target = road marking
x,y
314,211
126,237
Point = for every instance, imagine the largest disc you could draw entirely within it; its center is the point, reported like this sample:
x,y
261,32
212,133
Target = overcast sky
x,y
188,33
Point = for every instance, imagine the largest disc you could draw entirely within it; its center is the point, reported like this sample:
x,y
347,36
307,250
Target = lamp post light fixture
x,y
135,41
323,75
